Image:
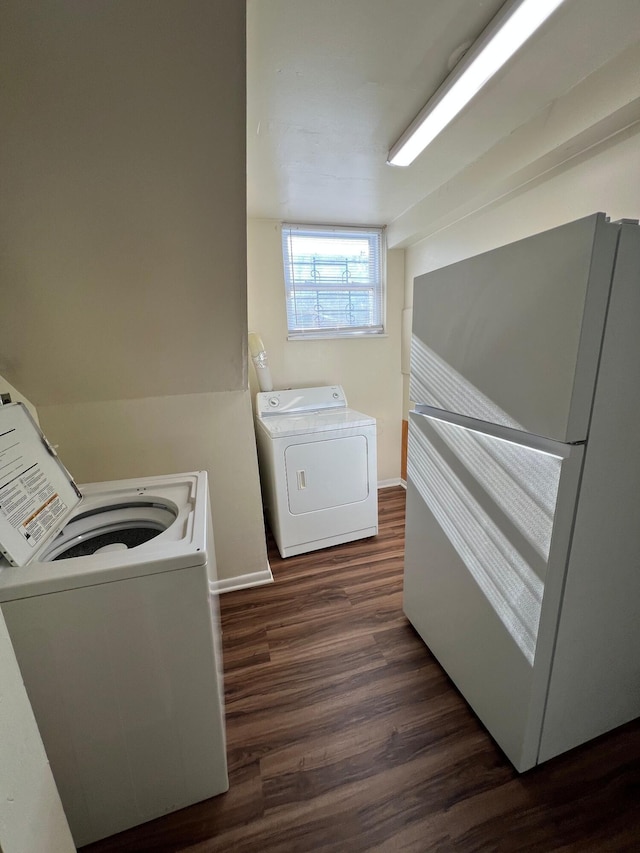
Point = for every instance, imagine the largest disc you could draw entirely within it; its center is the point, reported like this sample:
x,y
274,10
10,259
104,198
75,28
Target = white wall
x,y
123,226
367,368
31,815
608,180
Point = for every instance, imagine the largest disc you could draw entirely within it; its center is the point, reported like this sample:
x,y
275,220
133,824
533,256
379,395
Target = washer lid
x,y
278,426
37,493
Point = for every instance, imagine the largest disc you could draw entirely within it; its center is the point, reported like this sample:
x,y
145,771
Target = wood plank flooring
x,y
345,735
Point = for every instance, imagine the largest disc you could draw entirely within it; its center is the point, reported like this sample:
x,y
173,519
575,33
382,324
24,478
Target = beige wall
x,y
608,180
123,226
163,435
16,396
123,200
367,368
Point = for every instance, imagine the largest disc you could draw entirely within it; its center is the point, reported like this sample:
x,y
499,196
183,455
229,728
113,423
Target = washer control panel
x,y
297,400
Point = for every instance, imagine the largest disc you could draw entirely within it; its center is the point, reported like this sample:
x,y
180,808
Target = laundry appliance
x,y
107,601
522,534
318,468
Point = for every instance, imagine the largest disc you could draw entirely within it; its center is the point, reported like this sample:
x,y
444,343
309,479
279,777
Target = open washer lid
x,y
37,493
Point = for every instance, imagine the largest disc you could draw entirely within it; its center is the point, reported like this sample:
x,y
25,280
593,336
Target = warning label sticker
x,y
29,501
42,520
37,493
30,504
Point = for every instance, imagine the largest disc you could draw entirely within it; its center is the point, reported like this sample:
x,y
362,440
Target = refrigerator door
x,y
513,336
595,681
489,519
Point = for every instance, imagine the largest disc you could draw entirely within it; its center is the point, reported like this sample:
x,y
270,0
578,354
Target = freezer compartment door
x,y
513,336
488,527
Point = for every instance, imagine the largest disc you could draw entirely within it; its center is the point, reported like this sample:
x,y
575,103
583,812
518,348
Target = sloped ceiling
x,y
332,84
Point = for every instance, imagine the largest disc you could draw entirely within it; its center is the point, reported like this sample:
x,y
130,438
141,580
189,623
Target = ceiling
x,y
331,84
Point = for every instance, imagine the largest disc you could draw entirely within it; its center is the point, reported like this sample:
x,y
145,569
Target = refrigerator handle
x,y
507,433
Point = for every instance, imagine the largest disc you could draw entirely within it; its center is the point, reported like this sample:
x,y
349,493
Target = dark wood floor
x,y
345,735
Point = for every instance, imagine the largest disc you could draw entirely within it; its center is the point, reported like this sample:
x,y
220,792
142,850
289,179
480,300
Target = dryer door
x,y
324,474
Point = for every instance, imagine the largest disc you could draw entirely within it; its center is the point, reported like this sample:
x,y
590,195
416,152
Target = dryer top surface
x,y
300,411
304,423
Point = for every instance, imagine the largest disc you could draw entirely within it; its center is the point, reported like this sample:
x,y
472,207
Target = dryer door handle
x,y
302,480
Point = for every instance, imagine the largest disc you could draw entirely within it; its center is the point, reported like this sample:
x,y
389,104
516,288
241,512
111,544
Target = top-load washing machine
x,y
318,468
107,601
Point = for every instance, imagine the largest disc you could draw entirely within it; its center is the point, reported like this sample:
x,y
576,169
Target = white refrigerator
x,y
522,564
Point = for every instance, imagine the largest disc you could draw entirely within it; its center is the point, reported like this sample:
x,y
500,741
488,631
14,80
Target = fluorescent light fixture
x,y
512,26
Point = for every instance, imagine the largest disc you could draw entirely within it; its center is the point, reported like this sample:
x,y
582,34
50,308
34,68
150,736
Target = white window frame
x,y
298,288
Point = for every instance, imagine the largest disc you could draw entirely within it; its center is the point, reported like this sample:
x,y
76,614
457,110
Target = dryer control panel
x,y
297,400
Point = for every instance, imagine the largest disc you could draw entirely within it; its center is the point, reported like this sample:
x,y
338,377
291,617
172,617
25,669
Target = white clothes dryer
x,y
108,605
318,466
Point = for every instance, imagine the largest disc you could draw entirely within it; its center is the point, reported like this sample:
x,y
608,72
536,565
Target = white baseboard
x,y
242,581
387,484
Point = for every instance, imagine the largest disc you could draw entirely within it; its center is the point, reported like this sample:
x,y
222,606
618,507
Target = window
x,y
334,281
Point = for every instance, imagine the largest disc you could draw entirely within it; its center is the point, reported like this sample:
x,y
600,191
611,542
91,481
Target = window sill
x,y
337,337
